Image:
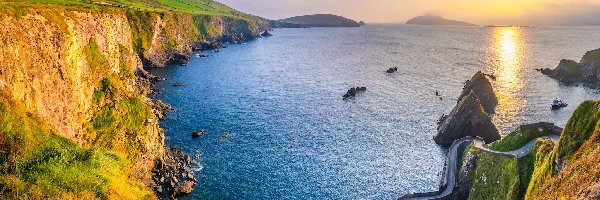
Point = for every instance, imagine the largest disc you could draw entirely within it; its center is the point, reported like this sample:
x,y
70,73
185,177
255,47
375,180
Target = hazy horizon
x,y
499,12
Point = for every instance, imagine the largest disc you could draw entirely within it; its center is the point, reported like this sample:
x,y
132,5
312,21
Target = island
x,y
318,20
436,20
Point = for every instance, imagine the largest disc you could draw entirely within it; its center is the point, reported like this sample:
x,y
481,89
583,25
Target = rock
x,y
172,174
587,71
467,119
183,188
160,108
216,50
178,84
224,136
392,70
362,23
198,133
266,34
180,59
484,91
353,91
202,55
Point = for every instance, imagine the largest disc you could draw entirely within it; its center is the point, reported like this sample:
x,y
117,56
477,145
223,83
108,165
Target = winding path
x,y
450,170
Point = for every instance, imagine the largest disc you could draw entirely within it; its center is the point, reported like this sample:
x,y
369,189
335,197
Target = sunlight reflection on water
x,y
508,47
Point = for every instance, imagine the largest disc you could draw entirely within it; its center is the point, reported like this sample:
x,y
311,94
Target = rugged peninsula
x,y
318,20
536,161
76,121
436,20
586,71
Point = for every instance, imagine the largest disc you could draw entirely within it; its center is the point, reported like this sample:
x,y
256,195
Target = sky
x,y
482,12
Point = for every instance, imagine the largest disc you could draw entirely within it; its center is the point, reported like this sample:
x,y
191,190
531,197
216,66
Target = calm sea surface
x,y
293,137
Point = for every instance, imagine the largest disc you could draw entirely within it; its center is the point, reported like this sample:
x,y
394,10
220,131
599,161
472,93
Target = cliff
x,y
436,20
471,115
318,20
76,71
587,71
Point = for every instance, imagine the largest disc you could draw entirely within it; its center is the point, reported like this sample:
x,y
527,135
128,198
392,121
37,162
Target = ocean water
x,y
293,137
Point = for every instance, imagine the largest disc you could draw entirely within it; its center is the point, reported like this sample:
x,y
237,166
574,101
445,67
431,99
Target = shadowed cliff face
x,y
470,116
467,119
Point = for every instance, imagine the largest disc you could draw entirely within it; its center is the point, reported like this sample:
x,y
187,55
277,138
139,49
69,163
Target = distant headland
x,y
318,20
436,20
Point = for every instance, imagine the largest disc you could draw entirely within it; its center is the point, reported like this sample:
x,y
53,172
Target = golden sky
x,y
483,12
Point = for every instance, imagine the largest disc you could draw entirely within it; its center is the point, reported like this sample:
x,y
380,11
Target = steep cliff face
x,y
76,70
54,61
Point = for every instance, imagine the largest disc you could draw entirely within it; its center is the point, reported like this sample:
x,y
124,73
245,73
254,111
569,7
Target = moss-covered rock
x,y
587,71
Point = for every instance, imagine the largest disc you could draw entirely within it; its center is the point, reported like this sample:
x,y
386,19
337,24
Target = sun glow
x,y
507,64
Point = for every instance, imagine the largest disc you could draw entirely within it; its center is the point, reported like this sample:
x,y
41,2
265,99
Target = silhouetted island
x,y
318,20
436,20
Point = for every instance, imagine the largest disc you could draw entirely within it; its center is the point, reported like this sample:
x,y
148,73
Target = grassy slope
x,y
579,154
494,177
36,163
528,163
209,7
519,138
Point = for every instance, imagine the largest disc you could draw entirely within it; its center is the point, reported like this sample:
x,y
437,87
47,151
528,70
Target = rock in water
x,y
198,133
392,70
266,34
483,90
467,119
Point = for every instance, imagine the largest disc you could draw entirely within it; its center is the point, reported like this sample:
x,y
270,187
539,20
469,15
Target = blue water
x,y
292,135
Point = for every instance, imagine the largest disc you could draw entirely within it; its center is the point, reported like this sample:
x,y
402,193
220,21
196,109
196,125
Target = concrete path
x,y
452,165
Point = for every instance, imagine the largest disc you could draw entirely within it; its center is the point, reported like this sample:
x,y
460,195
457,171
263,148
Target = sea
x,y
277,126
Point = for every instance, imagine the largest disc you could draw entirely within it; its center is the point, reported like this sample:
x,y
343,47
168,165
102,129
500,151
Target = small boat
x,y
558,104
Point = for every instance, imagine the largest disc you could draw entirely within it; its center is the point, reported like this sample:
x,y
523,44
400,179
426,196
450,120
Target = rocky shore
x,y
586,71
173,175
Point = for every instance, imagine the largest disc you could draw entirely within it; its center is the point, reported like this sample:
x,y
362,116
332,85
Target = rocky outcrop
x,y
266,34
392,70
353,91
471,115
484,91
467,119
587,71
173,174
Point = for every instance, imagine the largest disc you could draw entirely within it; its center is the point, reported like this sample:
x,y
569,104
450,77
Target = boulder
x,y
353,91
183,188
468,118
198,133
483,90
266,34
224,137
392,70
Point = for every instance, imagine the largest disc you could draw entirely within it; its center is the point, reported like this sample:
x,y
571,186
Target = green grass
x,y
207,7
572,66
527,163
520,137
593,56
501,177
579,128
38,164
96,60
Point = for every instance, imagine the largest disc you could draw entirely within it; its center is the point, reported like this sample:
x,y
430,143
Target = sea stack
x,y
471,115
